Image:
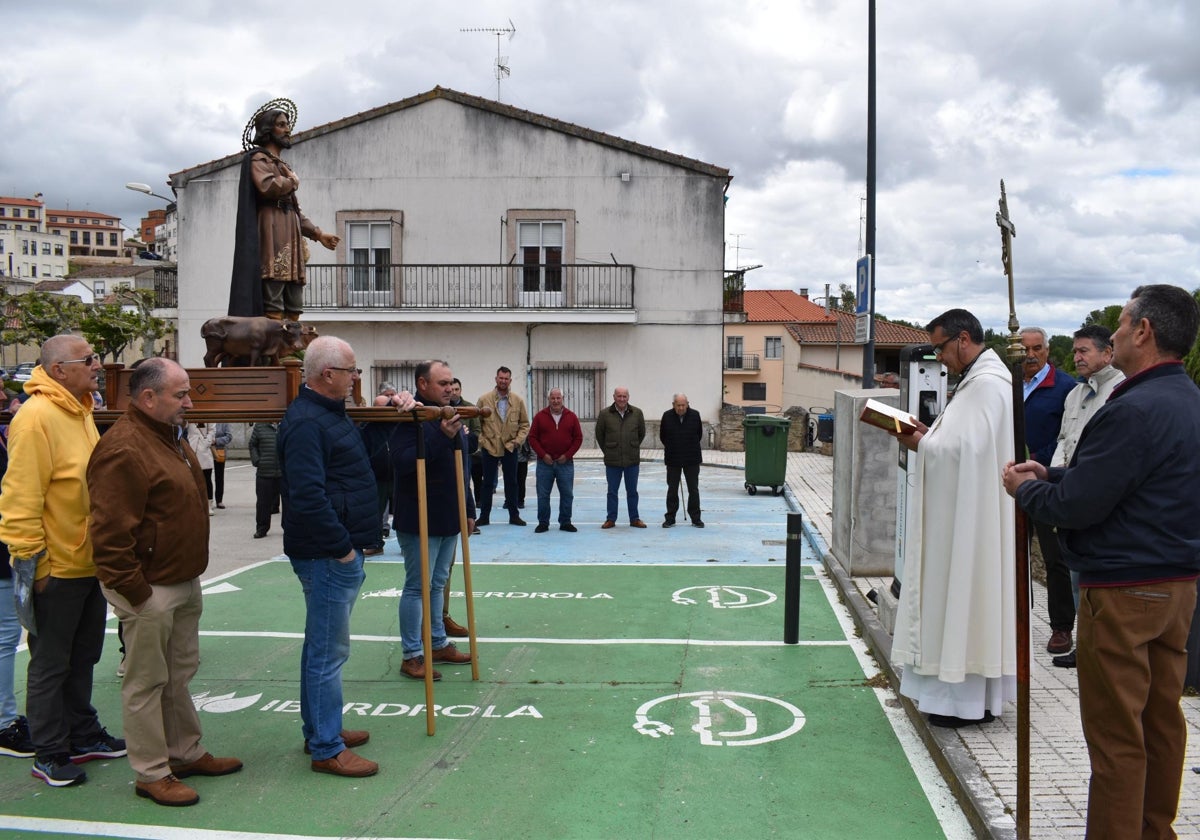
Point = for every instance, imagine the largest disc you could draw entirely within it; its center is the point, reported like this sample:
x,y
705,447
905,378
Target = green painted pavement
x,y
556,740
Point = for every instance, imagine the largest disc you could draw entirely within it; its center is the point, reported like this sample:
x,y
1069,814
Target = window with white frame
x,y
540,248
370,255
733,352
98,289
582,384
774,347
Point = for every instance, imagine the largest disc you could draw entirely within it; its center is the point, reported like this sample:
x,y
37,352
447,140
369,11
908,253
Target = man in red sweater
x,y
555,436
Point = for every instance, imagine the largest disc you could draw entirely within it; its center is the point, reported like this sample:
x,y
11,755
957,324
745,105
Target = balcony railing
x,y
746,362
587,287
166,288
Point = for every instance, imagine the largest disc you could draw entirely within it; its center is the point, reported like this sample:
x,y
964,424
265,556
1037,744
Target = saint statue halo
x,y
286,105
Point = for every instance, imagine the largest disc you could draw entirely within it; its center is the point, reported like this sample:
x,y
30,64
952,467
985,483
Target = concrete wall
x,y
864,486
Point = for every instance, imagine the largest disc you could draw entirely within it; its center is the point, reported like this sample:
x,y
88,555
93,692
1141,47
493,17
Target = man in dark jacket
x,y
150,526
681,431
329,517
1129,522
264,456
620,430
1046,390
435,385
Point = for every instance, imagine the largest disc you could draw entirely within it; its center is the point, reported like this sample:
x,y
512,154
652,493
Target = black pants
x,y
692,475
58,696
522,474
208,482
507,464
218,481
266,499
1060,600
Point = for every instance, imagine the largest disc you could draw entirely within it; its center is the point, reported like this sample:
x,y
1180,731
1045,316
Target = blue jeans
x,y
614,476
441,555
547,476
10,637
330,590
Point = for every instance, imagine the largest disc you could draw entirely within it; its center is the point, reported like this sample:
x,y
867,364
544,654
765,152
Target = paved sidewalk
x,y
983,758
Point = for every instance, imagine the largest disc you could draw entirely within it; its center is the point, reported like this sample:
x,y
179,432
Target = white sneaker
x,y
212,509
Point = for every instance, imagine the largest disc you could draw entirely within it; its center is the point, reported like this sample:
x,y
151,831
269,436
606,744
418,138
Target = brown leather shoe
x,y
167,791
415,669
346,763
207,765
350,737
1060,642
451,654
608,523
637,523
453,628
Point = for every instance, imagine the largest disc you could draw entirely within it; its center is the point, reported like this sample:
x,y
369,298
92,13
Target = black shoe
x,y
541,528
105,746
515,520
952,722
14,739
568,527
258,535
58,771
668,523
482,521
697,523
1067,660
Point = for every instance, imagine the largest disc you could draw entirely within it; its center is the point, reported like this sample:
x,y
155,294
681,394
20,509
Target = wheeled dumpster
x,y
766,452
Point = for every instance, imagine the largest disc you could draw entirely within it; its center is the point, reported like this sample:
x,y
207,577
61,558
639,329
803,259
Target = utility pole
x,y
869,347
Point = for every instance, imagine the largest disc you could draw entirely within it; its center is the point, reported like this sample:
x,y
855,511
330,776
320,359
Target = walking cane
x,y
463,530
1015,353
423,531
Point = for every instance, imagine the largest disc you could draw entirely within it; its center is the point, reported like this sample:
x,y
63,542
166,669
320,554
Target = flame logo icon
x,y
224,702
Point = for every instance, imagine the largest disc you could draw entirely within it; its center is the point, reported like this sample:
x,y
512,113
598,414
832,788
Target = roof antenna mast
x,y
501,60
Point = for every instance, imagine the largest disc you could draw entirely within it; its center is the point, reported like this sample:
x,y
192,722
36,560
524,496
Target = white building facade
x,y
487,235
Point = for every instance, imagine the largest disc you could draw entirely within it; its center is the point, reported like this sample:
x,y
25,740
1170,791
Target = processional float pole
x,y
464,536
423,533
1016,354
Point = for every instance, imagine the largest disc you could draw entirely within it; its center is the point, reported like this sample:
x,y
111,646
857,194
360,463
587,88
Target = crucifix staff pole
x,y
1015,354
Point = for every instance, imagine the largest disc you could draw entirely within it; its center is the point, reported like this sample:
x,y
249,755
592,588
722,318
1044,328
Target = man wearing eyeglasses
x,y
44,511
329,518
955,634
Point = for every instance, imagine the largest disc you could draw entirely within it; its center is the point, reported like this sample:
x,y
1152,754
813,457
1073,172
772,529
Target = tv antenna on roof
x,y
501,60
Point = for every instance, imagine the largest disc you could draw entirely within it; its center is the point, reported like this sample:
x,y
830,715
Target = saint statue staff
x,y
1015,354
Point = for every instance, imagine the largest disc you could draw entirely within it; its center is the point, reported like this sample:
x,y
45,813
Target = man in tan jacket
x,y
500,436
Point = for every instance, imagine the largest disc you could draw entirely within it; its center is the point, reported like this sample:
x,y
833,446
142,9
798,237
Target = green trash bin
x,y
766,452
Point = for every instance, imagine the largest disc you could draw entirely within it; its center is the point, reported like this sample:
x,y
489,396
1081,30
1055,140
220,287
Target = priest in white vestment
x,y
955,636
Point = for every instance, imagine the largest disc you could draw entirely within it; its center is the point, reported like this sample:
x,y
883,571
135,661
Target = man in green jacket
x,y
620,429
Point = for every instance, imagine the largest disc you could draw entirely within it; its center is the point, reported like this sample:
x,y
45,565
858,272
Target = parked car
x,y
23,372
149,255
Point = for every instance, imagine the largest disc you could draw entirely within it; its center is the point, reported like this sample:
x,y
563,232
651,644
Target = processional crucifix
x,y
1015,354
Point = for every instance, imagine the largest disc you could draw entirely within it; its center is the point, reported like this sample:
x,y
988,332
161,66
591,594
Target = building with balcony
x,y
27,250
88,233
790,352
488,235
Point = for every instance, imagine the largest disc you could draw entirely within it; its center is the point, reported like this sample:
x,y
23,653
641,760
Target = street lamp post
x,y
145,188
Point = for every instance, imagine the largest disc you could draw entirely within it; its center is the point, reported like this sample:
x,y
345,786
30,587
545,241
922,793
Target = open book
x,y
887,418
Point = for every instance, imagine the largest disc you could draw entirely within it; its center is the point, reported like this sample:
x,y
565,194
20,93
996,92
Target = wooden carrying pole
x,y
464,536
1015,354
423,532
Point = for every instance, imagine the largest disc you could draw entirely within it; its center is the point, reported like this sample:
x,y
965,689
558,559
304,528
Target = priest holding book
x,y
955,635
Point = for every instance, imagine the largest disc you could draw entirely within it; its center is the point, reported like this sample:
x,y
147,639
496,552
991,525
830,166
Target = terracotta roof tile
x,y
781,305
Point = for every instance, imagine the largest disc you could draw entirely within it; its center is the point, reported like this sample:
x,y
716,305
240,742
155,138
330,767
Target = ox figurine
x,y
261,341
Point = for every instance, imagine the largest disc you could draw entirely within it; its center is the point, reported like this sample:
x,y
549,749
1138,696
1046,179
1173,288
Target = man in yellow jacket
x,y
44,510
501,435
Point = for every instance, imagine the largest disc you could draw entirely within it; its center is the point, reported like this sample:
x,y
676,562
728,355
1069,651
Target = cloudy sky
x,y
1088,109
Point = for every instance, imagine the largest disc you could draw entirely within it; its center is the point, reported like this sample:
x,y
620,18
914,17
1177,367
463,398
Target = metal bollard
x,y
791,582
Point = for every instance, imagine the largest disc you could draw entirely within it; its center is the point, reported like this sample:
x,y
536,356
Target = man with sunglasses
x,y
955,629
44,511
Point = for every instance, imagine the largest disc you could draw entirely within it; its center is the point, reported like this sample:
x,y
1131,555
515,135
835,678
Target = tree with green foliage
x,y
111,327
33,317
